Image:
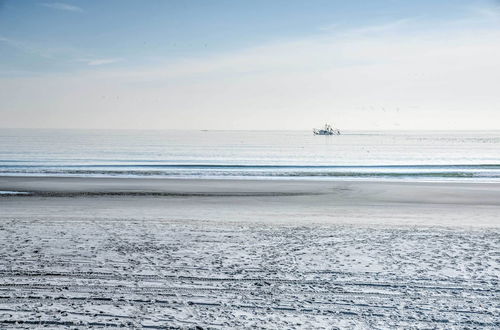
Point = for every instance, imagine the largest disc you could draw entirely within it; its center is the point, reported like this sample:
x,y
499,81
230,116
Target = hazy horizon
x,y
260,65
308,129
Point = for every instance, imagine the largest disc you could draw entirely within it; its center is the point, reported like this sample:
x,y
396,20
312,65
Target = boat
x,y
327,130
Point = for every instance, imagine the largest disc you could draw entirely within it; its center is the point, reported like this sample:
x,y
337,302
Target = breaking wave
x,y
482,171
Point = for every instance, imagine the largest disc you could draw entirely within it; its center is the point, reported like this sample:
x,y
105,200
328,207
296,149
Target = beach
x,y
158,253
249,164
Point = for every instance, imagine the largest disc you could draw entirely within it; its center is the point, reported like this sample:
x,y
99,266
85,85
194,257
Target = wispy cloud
x,y
50,52
103,61
62,6
487,12
58,54
387,27
384,27
26,47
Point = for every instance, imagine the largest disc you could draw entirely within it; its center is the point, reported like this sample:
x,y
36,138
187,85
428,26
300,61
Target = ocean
x,y
354,155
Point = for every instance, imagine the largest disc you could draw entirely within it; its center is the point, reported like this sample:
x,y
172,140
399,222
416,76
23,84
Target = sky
x,y
260,64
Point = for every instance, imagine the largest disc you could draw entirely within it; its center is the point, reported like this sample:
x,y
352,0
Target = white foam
x,y
7,192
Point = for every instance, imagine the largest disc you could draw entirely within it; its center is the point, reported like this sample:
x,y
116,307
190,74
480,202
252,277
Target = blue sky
x,y
235,63
59,36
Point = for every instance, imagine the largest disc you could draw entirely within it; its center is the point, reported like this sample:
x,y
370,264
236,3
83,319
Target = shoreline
x,y
263,202
477,193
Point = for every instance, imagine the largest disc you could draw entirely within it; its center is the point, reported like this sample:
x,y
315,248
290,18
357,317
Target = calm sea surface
x,y
469,155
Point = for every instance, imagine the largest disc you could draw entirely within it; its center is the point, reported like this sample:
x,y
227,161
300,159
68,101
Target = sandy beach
x,y
249,164
158,253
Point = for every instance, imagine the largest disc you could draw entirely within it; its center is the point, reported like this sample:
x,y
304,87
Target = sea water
x,y
354,155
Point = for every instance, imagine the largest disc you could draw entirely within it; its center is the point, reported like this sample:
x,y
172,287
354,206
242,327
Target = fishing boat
x,y
327,130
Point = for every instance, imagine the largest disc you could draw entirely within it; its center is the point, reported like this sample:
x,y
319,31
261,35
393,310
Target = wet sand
x,y
228,253
364,192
